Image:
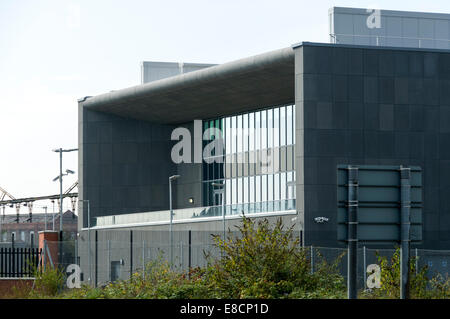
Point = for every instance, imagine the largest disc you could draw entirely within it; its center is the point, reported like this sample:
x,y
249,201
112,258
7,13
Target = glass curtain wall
x,y
249,183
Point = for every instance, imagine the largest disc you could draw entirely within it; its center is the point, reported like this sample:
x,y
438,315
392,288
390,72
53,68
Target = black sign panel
x,y
379,200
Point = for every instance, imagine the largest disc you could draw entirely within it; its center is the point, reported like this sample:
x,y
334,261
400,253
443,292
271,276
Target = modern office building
x,y
287,119
325,104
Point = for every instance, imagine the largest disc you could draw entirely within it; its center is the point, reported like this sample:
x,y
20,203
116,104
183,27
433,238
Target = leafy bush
x,y
420,286
48,282
266,262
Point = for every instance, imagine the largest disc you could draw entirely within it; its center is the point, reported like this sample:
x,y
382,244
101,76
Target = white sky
x,y
53,52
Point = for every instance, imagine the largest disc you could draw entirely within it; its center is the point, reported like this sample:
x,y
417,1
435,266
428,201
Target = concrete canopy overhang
x,y
234,87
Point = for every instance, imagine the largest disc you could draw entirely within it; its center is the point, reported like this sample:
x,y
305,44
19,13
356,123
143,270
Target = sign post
x,y
352,204
379,205
405,199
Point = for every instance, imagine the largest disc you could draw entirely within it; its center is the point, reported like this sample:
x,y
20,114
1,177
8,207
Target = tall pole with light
x,y
60,177
171,179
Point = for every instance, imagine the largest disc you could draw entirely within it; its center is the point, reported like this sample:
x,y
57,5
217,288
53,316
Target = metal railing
x,y
386,40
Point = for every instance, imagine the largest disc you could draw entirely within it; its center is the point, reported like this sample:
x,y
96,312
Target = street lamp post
x,y
89,237
171,178
60,177
45,208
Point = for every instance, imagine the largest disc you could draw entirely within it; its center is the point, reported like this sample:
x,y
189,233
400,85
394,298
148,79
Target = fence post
x,y
131,253
143,259
181,254
96,259
109,259
312,259
365,267
189,250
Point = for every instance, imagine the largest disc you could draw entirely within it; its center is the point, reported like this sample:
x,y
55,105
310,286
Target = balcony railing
x,y
196,213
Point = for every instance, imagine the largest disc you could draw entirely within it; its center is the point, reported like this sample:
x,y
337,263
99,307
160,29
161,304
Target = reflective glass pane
x,y
245,132
289,124
246,190
257,188
270,188
258,130
293,123
252,189
228,135
233,134
251,131
240,190
233,191
283,189
276,127
239,136
283,125
263,129
228,191
276,187
270,128
264,188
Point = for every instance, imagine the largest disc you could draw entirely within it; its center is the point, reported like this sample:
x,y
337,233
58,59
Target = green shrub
x,y
48,282
266,262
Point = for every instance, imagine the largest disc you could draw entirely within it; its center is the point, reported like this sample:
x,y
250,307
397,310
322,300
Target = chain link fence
x,y
105,261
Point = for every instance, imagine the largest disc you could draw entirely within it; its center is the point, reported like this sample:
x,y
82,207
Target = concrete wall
x,y
360,105
137,246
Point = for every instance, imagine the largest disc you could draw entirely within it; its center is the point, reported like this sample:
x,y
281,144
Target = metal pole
x,y
365,267
89,241
312,259
53,217
181,254
143,259
171,218
45,208
223,214
352,270
405,198
1,223
60,194
189,250
131,254
109,259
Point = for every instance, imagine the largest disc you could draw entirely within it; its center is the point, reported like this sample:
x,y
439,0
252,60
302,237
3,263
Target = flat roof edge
x,y
367,47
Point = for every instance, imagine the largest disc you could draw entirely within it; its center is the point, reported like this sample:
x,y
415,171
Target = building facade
x,y
324,104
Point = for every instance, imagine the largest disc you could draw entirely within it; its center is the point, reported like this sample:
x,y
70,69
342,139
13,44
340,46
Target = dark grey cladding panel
x,y
229,88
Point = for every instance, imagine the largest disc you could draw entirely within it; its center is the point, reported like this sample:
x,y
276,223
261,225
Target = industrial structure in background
x,y
22,229
25,232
